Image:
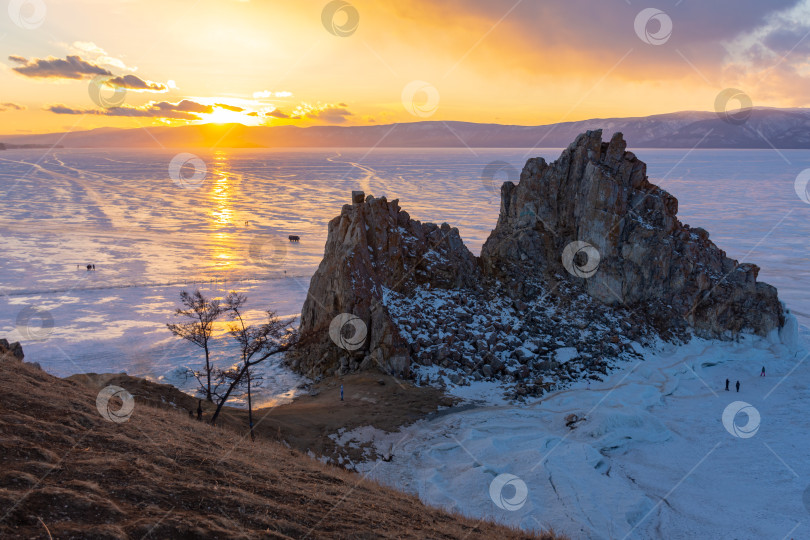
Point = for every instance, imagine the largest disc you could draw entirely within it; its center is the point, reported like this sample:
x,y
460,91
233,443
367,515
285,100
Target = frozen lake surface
x,y
626,470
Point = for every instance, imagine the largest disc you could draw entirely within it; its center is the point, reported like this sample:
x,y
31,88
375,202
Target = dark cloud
x,y
131,82
229,107
64,109
278,113
72,67
772,59
332,115
610,25
783,41
183,106
11,107
560,36
184,110
150,113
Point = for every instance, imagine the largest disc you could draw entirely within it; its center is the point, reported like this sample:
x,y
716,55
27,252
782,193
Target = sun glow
x,y
220,197
224,116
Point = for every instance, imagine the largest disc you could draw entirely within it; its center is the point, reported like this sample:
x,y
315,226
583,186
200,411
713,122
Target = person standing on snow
x,y
738,386
727,381
763,372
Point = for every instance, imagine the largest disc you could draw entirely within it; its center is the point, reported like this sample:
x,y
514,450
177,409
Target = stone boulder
x,y
592,221
372,246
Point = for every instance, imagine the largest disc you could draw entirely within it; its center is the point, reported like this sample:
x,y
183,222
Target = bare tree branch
x,y
202,313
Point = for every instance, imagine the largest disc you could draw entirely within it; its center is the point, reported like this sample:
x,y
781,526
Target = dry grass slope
x,y
67,472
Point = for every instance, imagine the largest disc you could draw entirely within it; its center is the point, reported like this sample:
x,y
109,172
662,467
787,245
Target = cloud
x,y
772,58
72,67
581,40
132,82
330,113
98,55
229,107
184,110
64,109
326,112
333,115
186,106
88,47
11,107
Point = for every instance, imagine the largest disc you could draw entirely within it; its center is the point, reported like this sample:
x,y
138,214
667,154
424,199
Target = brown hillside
x,y
66,472
377,400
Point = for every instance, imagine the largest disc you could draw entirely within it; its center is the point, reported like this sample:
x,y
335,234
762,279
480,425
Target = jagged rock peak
x,y
373,246
583,244
593,218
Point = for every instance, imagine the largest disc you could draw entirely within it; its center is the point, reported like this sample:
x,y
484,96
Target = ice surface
x,y
651,458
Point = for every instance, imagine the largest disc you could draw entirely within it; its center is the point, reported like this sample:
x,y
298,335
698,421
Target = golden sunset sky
x,y
302,62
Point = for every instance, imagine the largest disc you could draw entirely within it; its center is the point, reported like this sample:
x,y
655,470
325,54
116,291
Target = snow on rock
x,y
564,354
529,348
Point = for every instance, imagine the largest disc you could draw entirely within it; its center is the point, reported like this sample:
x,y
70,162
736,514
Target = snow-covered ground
x,y
652,458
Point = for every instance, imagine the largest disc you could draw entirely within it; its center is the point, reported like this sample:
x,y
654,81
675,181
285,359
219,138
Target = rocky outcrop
x,y
371,247
587,263
594,211
11,350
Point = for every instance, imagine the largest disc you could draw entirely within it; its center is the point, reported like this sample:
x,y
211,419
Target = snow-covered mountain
x,y
755,128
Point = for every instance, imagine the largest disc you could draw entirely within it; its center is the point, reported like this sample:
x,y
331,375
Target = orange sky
x,y
266,62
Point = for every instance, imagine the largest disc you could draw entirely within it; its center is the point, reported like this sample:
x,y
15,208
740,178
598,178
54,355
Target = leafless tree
x,y
202,312
257,343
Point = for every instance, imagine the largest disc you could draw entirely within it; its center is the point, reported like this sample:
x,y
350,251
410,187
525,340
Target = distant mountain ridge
x,y
764,128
